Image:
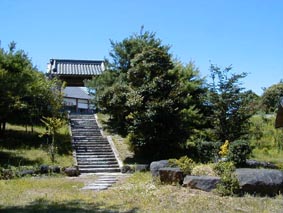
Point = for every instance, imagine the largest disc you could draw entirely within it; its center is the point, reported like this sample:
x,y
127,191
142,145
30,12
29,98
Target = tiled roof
x,y
75,67
76,92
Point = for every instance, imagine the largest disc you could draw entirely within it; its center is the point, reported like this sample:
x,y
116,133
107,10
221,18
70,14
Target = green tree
x,y
25,93
150,97
270,97
52,125
230,104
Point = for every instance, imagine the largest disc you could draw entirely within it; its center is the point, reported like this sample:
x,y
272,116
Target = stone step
x,y
97,160
99,170
85,166
102,157
98,163
96,187
96,157
94,163
93,153
83,136
93,149
87,147
82,118
91,145
76,144
90,141
94,143
86,129
86,134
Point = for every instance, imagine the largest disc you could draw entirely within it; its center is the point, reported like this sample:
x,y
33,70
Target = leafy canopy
x,y
25,93
149,97
229,103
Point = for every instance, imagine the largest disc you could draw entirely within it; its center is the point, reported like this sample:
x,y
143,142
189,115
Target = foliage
x,y
264,135
270,97
229,184
25,93
7,174
150,98
230,105
224,149
203,170
239,151
52,125
185,163
203,151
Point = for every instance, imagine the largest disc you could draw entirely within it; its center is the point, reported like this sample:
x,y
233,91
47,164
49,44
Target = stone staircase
x,y
92,151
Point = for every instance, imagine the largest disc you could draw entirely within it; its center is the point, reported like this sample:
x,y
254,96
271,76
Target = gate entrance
x,y
74,73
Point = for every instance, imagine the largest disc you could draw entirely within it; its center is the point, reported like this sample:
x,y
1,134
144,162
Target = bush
x,y
239,151
185,163
204,151
9,173
204,170
229,184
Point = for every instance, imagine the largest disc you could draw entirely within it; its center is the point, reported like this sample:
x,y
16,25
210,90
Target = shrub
x,y
7,174
204,170
239,151
229,184
207,151
185,163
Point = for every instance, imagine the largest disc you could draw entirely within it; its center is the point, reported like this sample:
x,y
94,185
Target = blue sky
x,y
245,33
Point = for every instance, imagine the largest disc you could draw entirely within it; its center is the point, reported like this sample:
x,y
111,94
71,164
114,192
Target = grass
x,y
122,147
269,155
137,193
20,148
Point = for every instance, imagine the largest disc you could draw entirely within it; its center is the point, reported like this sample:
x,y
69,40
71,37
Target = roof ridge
x,y
77,61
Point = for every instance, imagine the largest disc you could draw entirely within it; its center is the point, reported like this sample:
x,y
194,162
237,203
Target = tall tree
x,y
230,104
152,98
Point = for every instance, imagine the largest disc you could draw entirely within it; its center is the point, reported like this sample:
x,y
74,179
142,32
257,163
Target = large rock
x,y
260,181
259,164
171,175
72,171
141,167
127,169
55,169
44,169
205,183
26,172
156,165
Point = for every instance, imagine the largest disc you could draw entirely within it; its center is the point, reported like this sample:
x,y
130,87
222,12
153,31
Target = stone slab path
x,y
103,181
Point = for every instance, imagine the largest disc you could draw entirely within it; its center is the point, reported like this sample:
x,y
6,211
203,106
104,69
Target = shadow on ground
x,y
15,139
8,159
42,205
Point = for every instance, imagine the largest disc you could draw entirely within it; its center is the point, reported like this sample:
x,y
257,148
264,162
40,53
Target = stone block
x,y
171,175
204,183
